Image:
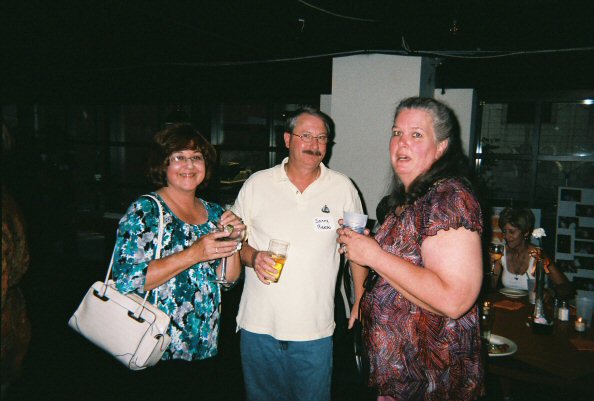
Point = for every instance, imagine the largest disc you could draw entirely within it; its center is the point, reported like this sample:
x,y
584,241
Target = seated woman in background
x,y
517,263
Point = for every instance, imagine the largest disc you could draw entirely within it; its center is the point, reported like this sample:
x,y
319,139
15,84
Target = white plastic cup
x,y
355,221
583,308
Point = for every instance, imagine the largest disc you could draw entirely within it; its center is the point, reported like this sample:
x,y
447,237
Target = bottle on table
x,y
563,313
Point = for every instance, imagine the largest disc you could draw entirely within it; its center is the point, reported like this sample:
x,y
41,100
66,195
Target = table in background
x,y
549,359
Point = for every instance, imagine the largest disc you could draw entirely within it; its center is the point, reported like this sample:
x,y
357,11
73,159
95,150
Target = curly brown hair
x,y
175,138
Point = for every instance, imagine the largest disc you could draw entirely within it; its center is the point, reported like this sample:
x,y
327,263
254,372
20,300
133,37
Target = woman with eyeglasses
x,y
418,311
192,250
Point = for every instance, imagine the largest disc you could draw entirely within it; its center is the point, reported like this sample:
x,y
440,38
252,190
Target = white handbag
x,y
128,327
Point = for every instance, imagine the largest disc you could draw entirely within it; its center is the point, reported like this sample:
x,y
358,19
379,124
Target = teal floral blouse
x,y
191,298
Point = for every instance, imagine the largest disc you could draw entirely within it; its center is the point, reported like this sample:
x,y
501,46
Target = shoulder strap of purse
x,y
161,226
159,244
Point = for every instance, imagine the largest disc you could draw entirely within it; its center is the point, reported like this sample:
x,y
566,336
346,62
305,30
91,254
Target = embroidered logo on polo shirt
x,y
325,209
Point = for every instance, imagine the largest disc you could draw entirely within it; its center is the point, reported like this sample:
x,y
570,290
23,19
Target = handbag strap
x,y
161,226
157,253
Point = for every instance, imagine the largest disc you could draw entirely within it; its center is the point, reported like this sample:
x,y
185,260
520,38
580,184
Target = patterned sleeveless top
x,y
415,354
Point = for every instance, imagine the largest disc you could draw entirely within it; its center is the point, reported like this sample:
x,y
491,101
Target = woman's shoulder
x,y
451,184
451,203
448,190
143,205
150,202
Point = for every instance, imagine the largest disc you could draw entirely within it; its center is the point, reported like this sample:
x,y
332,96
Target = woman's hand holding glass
x,y
219,243
230,219
356,247
233,227
495,253
214,246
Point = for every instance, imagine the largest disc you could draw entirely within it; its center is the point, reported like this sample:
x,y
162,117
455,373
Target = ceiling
x,y
107,49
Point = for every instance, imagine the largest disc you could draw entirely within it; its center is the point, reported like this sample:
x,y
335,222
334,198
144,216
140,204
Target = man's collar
x,y
280,173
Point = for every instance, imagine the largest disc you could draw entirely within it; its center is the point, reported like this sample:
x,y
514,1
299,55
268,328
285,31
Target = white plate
x,y
495,339
513,293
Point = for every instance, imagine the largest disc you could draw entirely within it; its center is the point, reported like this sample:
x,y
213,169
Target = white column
x,y
365,92
463,103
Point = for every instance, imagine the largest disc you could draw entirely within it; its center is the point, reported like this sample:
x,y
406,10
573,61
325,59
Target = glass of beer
x,y
496,253
278,251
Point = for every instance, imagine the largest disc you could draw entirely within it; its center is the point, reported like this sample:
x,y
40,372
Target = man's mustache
x,y
313,152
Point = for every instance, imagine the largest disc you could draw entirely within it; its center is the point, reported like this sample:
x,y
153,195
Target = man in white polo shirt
x,y
286,327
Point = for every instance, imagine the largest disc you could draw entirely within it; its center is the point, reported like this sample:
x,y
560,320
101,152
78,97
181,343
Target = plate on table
x,y
501,346
513,293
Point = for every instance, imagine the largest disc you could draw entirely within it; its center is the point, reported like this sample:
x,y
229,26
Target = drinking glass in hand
x,y
354,221
496,253
278,251
222,279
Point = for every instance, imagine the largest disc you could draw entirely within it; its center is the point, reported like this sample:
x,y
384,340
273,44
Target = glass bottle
x,y
539,313
563,312
487,319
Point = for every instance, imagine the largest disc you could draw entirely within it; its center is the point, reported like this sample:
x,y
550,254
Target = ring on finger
x,y
216,250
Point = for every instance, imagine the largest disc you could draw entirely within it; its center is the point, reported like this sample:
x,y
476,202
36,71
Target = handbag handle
x,y
157,253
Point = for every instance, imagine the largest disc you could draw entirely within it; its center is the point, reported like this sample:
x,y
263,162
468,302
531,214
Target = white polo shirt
x,y
300,307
